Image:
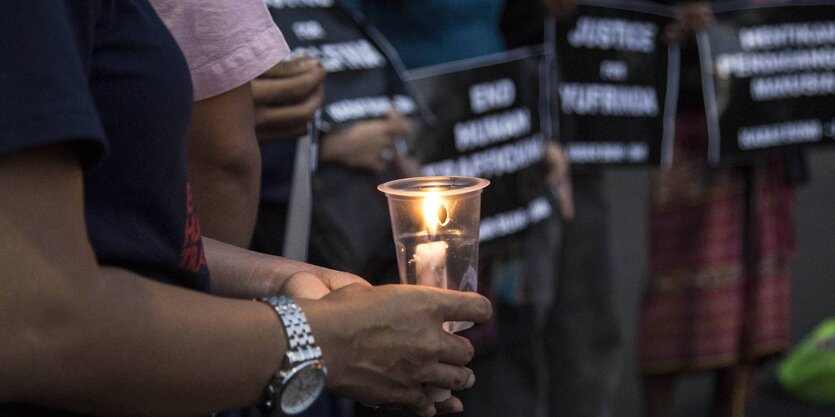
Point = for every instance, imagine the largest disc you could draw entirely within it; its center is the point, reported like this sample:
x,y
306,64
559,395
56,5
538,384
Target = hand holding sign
x,y
561,8
286,96
690,18
367,145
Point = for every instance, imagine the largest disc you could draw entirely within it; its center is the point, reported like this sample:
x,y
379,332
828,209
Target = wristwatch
x,y
301,378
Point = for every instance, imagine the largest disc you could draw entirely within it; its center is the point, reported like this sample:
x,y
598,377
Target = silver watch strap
x,y
301,344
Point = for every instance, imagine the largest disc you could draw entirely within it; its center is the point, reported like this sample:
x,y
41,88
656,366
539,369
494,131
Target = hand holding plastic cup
x,y
435,222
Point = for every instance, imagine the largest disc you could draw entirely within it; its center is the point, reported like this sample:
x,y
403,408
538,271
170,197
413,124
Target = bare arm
x,y
223,157
238,272
92,339
224,164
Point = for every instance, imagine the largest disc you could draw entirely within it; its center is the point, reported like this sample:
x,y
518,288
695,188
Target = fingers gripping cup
x,y
435,222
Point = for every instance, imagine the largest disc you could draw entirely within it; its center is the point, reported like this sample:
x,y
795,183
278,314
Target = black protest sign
x,y
362,81
616,82
487,124
768,73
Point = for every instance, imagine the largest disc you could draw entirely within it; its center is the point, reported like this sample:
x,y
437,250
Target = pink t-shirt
x,y
226,42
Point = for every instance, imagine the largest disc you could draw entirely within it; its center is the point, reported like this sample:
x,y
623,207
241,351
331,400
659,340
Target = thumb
x,y
304,285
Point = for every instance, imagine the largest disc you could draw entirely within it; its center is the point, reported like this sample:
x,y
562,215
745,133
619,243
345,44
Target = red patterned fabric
x,y
719,283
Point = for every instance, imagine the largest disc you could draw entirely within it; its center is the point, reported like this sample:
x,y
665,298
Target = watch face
x,y
302,388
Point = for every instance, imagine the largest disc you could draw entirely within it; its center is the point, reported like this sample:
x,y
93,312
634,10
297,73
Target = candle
x,y
430,264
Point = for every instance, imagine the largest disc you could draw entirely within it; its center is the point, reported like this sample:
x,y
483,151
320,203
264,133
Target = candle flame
x,y
435,213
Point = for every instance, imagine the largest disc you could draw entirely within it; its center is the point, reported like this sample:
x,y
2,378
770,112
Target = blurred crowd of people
x,y
124,122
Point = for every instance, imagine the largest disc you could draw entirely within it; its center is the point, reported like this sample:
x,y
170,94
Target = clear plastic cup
x,y
435,223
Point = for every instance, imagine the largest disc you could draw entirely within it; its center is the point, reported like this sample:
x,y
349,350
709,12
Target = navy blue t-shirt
x,y
106,77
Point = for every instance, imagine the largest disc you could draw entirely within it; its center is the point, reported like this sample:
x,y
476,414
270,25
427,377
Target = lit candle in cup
x,y
435,222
